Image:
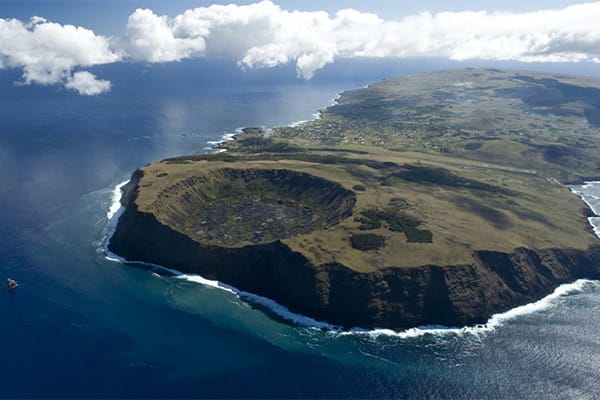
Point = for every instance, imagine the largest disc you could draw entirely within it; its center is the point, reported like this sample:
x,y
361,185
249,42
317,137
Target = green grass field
x,y
440,165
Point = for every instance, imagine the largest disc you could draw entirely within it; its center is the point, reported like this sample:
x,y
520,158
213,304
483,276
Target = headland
x,y
438,198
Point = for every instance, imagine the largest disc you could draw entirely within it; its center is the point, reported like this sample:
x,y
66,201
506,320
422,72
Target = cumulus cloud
x,y
87,84
155,38
265,35
47,52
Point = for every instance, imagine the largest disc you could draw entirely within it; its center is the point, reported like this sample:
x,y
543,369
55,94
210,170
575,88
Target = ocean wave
x,y
115,205
579,190
298,123
315,116
228,136
495,322
272,305
113,214
337,98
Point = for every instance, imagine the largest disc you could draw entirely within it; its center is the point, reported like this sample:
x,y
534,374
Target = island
x,y
433,199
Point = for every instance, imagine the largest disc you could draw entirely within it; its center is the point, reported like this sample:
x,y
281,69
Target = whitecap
x,y
115,200
580,191
298,123
113,214
336,99
227,137
496,321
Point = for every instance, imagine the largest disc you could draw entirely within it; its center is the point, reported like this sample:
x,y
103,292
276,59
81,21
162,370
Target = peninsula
x,y
436,198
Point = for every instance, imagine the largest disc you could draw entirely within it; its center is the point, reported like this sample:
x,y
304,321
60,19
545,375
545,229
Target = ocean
x,y
81,325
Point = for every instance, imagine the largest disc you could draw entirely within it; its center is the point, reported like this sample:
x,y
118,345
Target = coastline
x,y
494,322
215,146
593,220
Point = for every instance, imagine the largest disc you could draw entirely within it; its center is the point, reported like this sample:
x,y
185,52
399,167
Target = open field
x,y
472,205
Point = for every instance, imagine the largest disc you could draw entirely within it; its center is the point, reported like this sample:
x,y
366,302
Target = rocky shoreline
x,y
393,297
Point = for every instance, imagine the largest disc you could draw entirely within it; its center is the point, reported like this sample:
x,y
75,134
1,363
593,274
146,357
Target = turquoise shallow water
x,y
82,326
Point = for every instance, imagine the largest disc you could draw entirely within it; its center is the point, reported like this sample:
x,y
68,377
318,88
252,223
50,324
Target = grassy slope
x,y
506,138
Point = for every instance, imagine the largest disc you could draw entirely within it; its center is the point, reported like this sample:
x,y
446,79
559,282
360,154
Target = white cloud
x,y
265,35
87,84
47,51
155,38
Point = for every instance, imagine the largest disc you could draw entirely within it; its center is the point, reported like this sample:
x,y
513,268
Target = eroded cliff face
x,y
396,298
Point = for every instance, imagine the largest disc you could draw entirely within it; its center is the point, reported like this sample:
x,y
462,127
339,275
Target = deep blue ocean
x,y
82,326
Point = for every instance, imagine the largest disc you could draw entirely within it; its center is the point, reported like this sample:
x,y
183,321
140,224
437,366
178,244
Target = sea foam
x,y
587,199
115,205
497,320
227,137
114,212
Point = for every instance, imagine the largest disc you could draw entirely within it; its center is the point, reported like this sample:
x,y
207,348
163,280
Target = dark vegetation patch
x,y
440,176
161,175
367,241
418,235
359,188
396,222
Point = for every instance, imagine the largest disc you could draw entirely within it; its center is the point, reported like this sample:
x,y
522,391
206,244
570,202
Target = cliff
x,y
433,199
393,297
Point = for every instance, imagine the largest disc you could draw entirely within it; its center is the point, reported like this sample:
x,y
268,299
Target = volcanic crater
x,y
235,207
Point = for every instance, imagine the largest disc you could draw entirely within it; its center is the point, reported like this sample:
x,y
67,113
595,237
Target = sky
x,y
58,42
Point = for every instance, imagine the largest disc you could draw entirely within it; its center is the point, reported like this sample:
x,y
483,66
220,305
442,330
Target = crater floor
x,y
234,207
